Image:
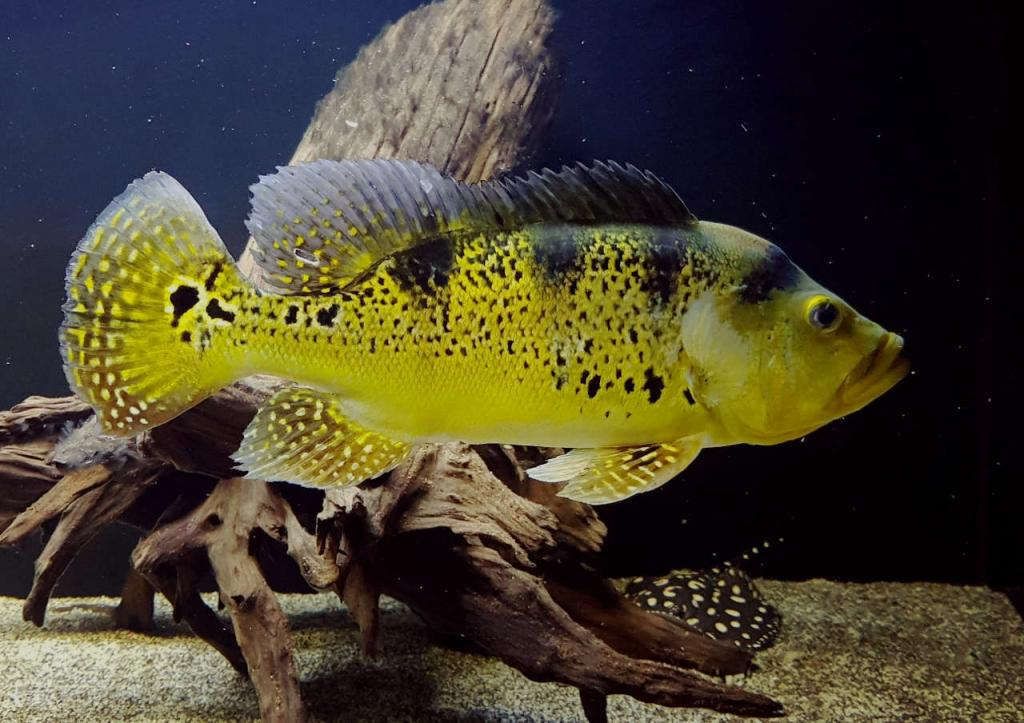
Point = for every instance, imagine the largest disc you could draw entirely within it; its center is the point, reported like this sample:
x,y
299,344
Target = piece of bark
x,y
135,610
25,475
55,501
79,523
222,529
28,433
362,597
39,418
453,84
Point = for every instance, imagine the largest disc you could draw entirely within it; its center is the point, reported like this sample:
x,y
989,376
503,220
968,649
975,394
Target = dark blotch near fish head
x,y
556,252
772,272
211,278
666,257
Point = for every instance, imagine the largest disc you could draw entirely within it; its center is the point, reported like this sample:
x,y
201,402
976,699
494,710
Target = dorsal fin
x,y
320,225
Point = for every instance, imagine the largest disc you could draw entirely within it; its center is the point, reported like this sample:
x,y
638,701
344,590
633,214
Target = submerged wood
x,y
461,534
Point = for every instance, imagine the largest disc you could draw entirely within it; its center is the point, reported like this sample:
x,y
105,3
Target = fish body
x,y
587,309
485,338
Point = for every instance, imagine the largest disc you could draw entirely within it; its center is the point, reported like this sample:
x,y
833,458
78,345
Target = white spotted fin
x,y
600,476
724,603
302,436
151,295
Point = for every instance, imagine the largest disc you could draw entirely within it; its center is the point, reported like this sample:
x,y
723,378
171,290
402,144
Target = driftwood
x,y
460,534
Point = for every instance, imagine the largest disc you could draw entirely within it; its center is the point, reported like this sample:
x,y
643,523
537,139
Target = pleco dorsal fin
x,y
319,226
604,475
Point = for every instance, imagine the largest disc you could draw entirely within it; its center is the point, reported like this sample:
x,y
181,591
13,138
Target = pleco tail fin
x,y
151,291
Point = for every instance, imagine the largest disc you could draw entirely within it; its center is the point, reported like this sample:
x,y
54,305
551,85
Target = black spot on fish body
x,y
211,279
654,385
594,386
326,317
215,311
689,396
774,271
183,298
292,315
186,336
628,385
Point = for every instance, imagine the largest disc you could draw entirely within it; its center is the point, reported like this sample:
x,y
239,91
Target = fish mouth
x,y
874,375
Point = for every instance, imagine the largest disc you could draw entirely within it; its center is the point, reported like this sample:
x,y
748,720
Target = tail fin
x,y
149,290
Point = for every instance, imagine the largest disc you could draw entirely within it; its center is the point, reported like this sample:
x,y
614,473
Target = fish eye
x,y
822,313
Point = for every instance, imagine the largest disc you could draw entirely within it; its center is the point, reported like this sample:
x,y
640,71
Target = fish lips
x,y
874,375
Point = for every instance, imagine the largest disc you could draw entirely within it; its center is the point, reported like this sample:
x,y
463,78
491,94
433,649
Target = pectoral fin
x,y
600,476
302,436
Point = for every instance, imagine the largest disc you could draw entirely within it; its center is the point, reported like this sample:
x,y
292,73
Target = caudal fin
x,y
150,290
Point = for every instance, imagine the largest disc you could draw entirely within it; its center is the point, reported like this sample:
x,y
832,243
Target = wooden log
x,y
86,515
135,611
221,530
457,84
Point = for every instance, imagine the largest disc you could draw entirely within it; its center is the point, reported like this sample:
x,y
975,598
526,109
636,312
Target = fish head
x,y
773,354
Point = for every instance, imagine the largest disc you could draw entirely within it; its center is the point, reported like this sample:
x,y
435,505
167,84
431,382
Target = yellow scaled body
x,y
586,309
494,346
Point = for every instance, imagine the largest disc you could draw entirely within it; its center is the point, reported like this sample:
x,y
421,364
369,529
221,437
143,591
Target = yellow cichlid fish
x,y
585,309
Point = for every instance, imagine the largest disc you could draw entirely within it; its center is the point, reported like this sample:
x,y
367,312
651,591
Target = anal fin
x,y
603,475
302,436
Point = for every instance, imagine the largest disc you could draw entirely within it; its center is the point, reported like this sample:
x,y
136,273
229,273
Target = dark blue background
x,y
867,140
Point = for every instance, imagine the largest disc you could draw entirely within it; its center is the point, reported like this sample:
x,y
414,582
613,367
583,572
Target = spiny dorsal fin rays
x,y
601,476
319,226
601,192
